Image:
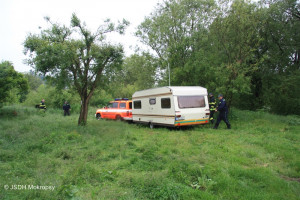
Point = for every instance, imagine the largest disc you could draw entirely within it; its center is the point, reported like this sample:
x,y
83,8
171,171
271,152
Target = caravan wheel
x,y
151,125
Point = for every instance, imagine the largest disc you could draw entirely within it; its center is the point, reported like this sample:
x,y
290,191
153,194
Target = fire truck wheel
x,y
98,116
118,118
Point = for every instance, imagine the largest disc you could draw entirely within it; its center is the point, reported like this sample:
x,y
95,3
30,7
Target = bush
x,y
283,94
100,98
53,98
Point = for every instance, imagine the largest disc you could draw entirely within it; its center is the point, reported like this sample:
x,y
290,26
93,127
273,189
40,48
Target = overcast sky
x,y
18,18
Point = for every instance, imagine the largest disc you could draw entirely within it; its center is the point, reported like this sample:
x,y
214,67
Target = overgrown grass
x,y
258,159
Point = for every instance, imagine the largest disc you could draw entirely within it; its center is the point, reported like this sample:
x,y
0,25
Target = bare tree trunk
x,y
82,121
85,99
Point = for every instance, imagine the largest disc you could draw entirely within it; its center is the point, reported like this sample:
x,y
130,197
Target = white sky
x,y
18,18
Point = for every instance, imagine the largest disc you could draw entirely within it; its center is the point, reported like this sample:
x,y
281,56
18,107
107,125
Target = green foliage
x,y
283,93
257,159
13,85
203,183
281,38
236,56
174,28
72,61
248,51
101,98
34,81
138,72
184,33
280,70
35,97
54,98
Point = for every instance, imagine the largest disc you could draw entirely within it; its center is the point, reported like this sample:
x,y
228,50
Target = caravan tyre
x,y
151,125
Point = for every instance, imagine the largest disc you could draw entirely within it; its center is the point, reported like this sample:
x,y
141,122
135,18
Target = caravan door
x,y
152,103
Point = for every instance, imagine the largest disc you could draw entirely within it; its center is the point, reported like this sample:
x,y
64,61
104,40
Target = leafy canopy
x,y
74,56
11,80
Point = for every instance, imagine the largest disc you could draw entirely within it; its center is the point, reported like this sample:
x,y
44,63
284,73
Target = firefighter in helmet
x,y
212,107
42,105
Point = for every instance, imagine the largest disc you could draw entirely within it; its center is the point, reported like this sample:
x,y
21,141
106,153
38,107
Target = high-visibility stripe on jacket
x,y
42,106
212,103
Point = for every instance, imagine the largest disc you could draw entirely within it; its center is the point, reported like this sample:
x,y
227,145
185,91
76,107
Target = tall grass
x,y
258,159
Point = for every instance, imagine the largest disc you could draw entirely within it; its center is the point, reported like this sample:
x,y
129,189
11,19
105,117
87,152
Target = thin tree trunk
x,y
85,99
82,121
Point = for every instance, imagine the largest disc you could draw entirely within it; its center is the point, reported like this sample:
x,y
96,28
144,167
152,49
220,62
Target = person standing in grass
x,y
212,107
42,105
223,112
66,108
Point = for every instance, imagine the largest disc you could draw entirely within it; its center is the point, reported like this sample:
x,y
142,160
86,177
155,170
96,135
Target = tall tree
x,y
280,50
235,38
282,34
75,56
11,80
138,72
172,31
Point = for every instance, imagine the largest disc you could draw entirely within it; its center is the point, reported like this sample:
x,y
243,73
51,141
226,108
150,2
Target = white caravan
x,y
171,106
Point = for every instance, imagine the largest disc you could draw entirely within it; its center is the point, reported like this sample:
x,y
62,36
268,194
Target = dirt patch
x,y
290,178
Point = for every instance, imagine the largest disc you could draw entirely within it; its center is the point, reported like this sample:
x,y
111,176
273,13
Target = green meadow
x,y
259,158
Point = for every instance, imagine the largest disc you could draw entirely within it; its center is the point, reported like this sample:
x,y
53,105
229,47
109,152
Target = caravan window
x,y
191,101
152,101
165,103
137,104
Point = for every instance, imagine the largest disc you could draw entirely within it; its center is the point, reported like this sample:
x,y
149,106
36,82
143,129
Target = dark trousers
x,y
223,116
211,116
66,112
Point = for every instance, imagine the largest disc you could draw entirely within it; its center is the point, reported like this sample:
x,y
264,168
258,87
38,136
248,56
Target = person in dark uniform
x,y
223,112
66,108
212,107
42,105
